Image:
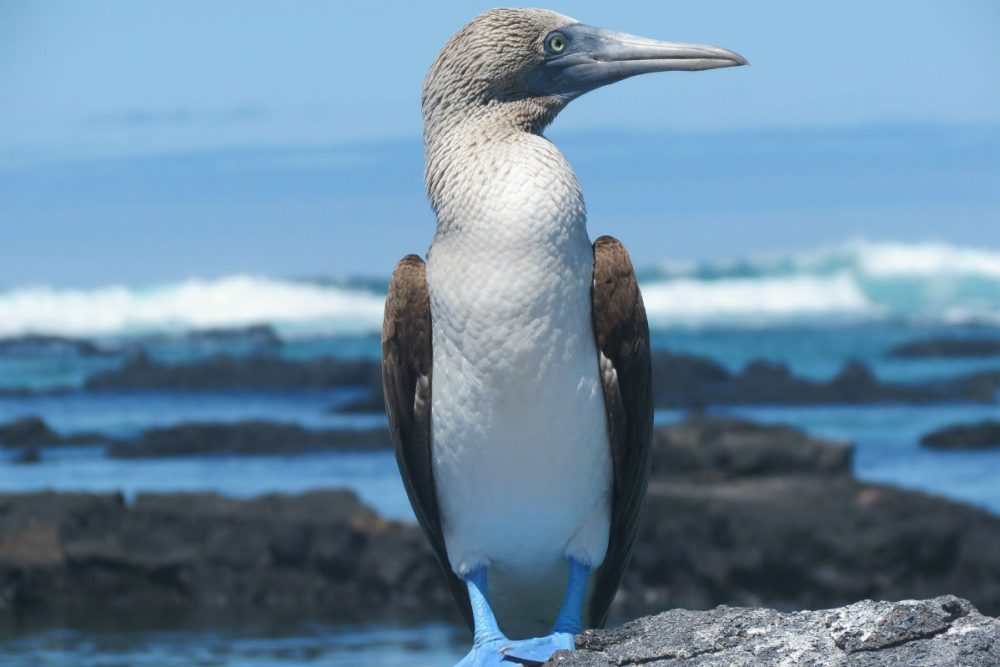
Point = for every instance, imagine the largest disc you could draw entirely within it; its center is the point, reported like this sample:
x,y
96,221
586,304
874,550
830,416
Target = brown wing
x,y
406,379
622,335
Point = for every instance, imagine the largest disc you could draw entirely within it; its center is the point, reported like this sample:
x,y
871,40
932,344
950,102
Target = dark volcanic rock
x,y
707,449
29,455
261,335
246,437
319,551
944,631
775,525
764,383
38,344
807,541
982,435
984,383
947,347
687,381
27,432
34,432
679,381
250,372
369,403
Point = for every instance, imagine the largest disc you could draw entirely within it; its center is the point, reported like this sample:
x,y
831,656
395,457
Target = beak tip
x,y
738,60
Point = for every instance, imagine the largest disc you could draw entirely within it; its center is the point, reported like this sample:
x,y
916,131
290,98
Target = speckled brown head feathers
x,y
478,71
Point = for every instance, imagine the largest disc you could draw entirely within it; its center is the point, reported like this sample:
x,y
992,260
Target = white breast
x,y
520,446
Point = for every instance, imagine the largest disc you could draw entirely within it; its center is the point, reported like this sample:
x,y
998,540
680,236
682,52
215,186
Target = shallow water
x,y
251,643
125,413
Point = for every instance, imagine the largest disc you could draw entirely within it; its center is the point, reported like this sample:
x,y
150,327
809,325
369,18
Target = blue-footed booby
x,y
516,359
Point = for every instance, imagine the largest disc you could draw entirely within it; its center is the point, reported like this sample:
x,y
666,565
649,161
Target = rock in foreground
x,y
912,633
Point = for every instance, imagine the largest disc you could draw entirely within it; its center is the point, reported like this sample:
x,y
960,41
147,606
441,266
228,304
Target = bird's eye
x,y
556,42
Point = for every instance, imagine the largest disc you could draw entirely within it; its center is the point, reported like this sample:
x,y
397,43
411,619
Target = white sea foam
x,y
930,260
849,281
193,304
757,300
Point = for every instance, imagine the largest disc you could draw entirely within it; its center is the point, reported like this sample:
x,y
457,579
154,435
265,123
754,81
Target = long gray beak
x,y
593,57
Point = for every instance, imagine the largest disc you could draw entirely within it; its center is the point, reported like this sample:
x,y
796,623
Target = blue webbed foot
x,y
489,642
486,654
539,649
491,647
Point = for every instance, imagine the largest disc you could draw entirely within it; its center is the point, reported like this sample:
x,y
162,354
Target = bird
x,y
516,361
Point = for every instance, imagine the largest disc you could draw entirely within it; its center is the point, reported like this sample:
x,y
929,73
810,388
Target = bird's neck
x,y
490,175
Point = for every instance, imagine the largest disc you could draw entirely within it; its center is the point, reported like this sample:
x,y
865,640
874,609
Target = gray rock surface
x,y
941,632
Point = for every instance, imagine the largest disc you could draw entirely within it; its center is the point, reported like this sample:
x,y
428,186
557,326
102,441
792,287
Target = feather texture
x,y
622,334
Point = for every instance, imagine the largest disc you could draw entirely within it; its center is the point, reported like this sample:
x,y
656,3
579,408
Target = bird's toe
x,y
538,650
487,654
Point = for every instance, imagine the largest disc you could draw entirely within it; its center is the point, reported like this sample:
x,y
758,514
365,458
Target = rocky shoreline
x,y
252,436
947,347
680,381
737,513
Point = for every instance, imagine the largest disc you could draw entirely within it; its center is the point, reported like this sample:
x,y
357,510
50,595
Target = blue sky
x,y
145,142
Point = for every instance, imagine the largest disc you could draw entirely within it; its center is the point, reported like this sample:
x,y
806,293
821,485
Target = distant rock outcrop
x,y
717,448
39,344
254,436
245,437
947,347
679,381
27,432
33,431
981,435
240,372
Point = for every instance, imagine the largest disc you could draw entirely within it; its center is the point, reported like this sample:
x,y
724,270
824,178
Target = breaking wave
x,y
853,281
235,301
856,280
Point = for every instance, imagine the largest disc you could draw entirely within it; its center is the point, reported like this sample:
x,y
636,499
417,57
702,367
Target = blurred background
x,y
200,206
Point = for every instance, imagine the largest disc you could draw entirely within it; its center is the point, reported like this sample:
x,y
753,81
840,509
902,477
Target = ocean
x,y
812,311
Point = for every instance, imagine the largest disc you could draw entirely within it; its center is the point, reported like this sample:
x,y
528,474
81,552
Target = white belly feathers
x,y
520,451
519,437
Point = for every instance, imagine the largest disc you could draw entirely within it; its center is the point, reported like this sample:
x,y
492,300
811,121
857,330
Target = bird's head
x,y
528,64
